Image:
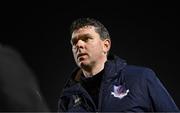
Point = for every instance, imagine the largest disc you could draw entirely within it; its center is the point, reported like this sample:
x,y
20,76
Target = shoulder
x,y
139,76
139,72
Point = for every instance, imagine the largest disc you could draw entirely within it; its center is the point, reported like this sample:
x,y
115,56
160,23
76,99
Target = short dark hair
x,y
99,27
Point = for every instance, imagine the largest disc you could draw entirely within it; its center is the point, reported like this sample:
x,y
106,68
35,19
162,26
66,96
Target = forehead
x,y
83,31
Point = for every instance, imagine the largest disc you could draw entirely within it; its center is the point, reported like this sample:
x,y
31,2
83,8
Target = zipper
x,y
99,109
86,96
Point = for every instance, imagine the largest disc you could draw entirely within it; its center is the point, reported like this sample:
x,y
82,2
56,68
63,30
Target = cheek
x,y
97,50
74,54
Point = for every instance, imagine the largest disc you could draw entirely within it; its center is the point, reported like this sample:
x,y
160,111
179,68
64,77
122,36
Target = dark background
x,y
143,33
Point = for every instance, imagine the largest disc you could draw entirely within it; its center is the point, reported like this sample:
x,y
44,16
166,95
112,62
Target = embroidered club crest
x,y
119,91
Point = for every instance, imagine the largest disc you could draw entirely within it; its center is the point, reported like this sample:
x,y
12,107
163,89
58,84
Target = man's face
x,y
87,47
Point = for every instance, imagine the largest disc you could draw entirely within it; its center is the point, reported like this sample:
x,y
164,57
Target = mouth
x,y
80,55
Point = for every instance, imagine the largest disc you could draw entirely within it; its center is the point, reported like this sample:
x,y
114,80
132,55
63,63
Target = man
x,y
19,91
104,82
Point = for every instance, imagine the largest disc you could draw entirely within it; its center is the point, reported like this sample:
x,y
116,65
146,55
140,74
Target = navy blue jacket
x,y
124,88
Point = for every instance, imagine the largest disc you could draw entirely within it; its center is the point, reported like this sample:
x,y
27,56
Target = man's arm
x,y
161,99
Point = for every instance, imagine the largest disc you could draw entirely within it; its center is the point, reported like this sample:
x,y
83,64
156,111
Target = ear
x,y
106,45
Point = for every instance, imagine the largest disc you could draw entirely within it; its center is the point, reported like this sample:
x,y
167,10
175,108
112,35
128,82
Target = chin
x,y
83,64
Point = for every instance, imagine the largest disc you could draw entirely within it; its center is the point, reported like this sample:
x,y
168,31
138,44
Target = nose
x,y
80,44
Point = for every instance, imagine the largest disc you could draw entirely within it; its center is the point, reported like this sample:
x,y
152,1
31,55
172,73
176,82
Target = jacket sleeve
x,y
160,98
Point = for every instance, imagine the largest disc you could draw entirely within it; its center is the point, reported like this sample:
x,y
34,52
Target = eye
x,y
85,39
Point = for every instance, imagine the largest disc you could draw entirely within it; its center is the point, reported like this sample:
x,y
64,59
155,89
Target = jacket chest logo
x,y
77,100
119,91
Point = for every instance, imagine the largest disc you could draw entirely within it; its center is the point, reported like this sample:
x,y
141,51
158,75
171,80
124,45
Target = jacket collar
x,y
113,66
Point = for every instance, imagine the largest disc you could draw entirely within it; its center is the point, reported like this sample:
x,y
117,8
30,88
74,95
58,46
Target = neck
x,y
95,69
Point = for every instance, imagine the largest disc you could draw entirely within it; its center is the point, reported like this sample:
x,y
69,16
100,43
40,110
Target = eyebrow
x,y
80,37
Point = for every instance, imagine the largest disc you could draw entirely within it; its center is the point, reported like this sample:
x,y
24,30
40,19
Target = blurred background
x,y
143,33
